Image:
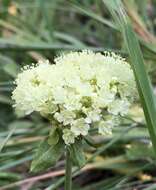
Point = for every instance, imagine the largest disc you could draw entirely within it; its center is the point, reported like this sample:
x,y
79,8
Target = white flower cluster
x,y
83,89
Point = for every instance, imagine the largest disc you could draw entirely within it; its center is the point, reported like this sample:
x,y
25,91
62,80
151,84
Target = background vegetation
x,y
41,29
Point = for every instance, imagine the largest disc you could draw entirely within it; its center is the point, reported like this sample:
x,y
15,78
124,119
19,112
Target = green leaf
x,y
21,124
77,154
53,136
47,156
143,83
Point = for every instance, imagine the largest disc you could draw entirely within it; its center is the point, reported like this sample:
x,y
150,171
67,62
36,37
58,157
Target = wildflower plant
x,y
81,91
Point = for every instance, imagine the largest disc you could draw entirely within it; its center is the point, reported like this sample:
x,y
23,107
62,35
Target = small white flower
x,y
66,117
119,107
59,95
105,127
72,102
92,115
105,97
49,108
68,136
80,127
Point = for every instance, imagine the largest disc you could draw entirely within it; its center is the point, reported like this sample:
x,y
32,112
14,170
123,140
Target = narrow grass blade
x,y
3,143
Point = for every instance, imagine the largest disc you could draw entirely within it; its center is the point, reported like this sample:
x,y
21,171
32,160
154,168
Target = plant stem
x,y
68,174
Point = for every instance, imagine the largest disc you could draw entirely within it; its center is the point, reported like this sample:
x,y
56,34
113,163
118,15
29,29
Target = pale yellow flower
x,y
77,92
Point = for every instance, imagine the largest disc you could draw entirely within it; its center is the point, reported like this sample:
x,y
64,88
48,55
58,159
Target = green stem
x,y
68,174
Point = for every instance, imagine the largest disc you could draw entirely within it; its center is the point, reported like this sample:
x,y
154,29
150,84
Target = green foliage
x,y
53,136
77,154
47,156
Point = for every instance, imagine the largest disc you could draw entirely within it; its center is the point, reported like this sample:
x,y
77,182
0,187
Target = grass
x,y
32,30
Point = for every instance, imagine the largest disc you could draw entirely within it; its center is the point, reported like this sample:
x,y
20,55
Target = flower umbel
x,y
82,89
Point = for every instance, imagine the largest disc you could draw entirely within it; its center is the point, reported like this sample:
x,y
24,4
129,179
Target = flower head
x,y
80,90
